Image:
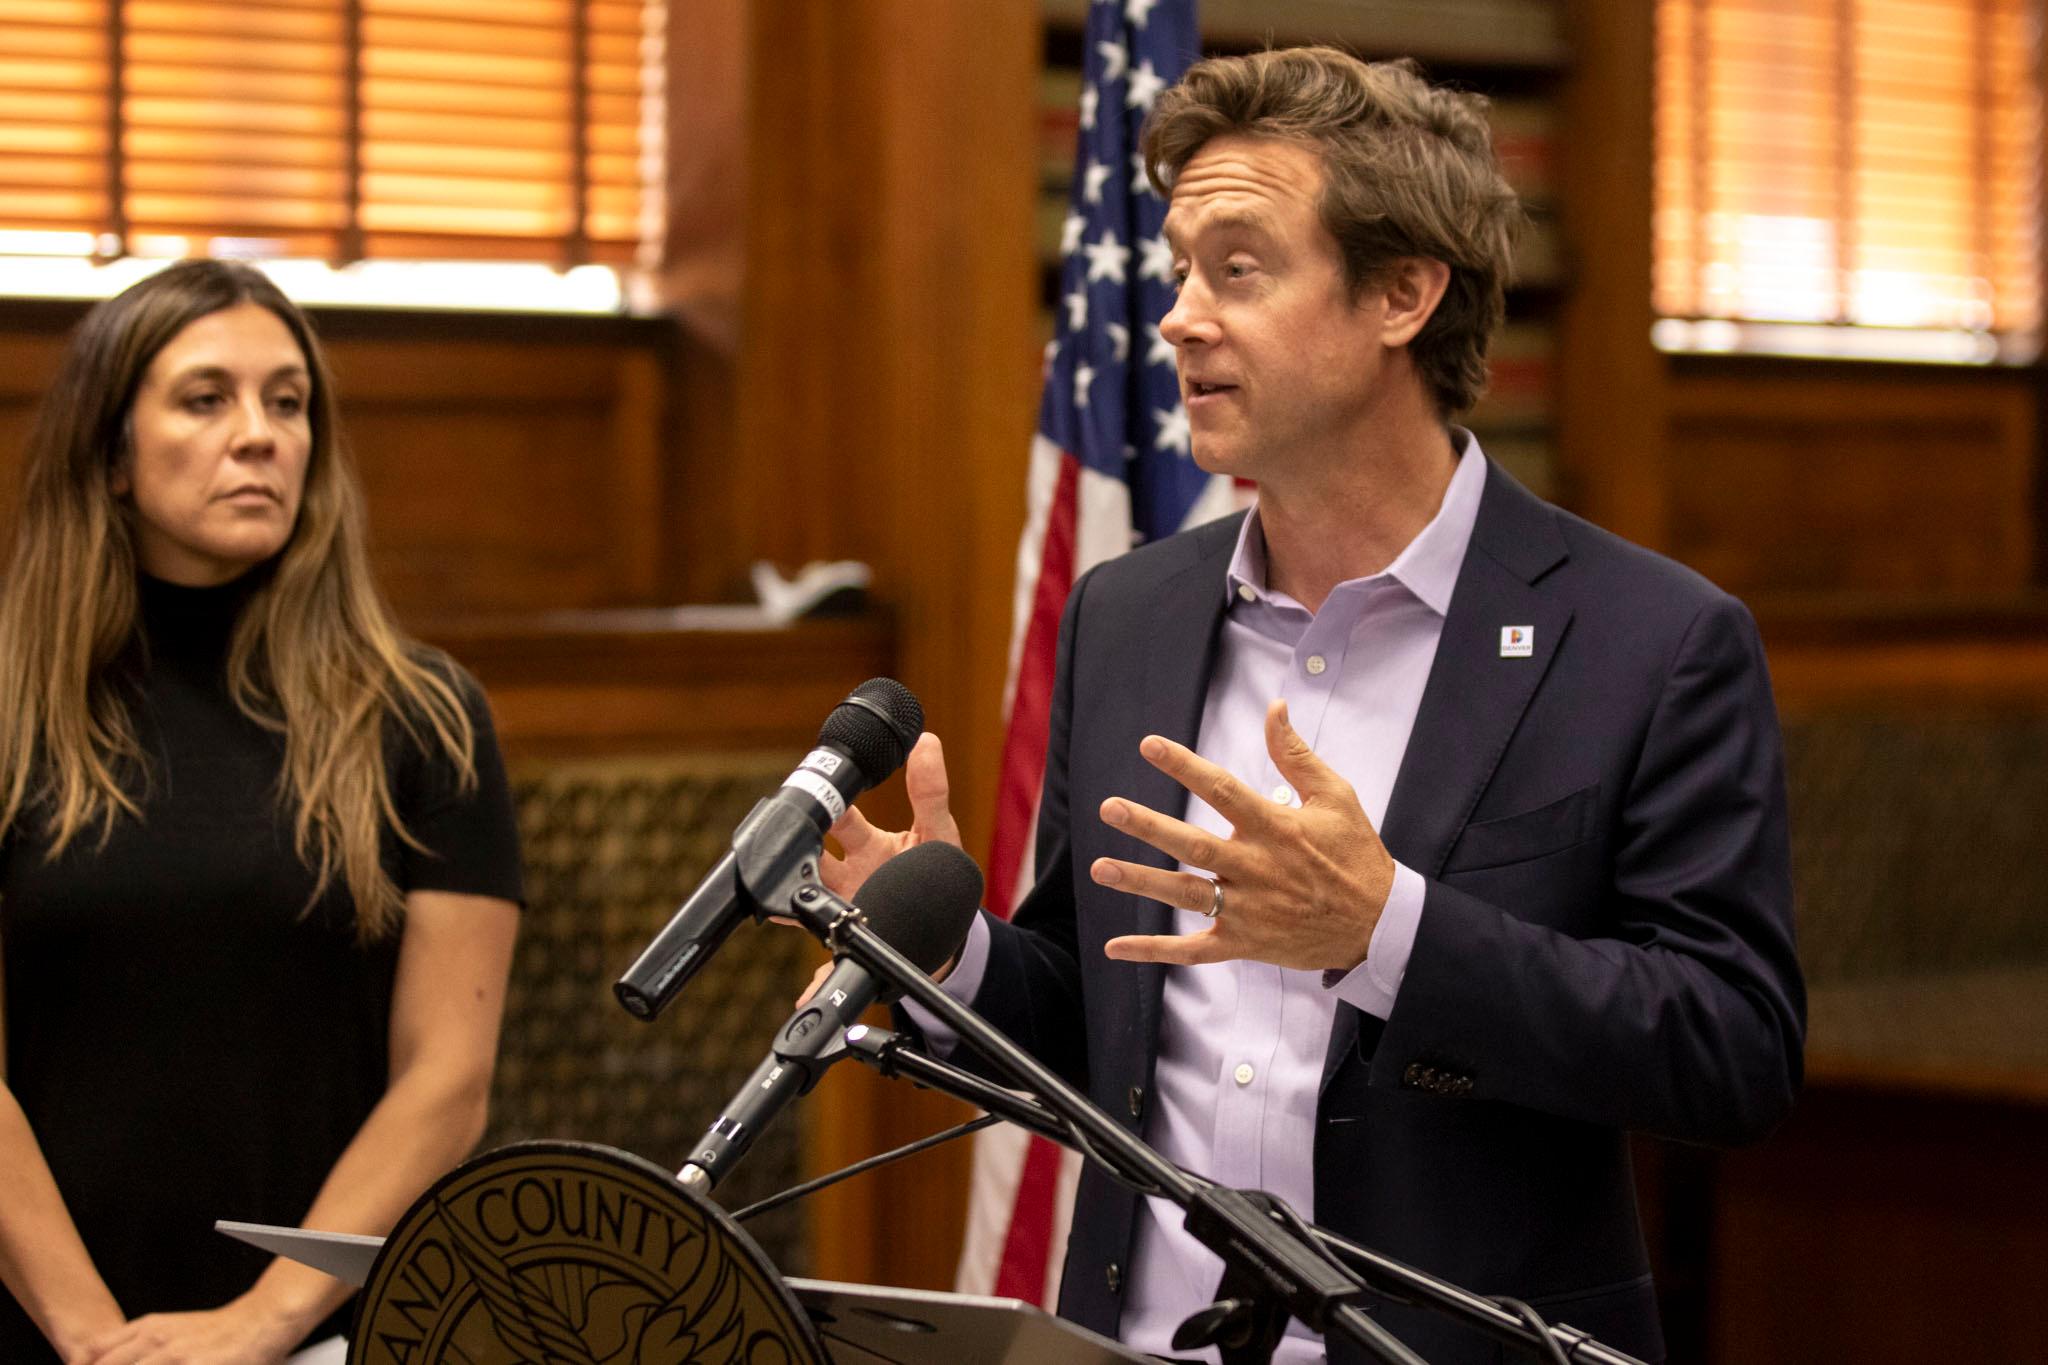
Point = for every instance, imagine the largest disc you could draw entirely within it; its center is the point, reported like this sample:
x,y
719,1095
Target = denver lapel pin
x,y
1517,642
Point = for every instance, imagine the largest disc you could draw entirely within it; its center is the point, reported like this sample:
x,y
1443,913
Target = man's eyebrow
x,y
1225,220
1241,220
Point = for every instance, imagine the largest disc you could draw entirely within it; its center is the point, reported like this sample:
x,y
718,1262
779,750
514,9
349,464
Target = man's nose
x,y
1188,322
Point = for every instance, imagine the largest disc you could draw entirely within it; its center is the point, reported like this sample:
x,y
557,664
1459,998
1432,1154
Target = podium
x,y
585,1255
863,1323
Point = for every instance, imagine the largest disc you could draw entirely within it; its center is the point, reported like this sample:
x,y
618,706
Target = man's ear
x,y
1414,286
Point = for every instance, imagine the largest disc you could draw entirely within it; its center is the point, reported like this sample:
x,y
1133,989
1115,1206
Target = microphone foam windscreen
x,y
875,726
922,902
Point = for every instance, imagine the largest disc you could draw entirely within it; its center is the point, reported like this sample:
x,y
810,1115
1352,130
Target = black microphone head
x,y
875,726
922,902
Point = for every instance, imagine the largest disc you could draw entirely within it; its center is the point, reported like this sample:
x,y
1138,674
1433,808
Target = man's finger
x,y
1238,804
1182,890
1175,838
1304,770
817,980
930,792
1176,950
853,831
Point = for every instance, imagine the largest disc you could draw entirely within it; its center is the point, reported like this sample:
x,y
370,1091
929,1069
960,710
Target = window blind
x,y
343,129
1866,163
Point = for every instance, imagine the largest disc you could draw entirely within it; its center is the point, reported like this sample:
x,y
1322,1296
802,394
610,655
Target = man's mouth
x,y
1197,389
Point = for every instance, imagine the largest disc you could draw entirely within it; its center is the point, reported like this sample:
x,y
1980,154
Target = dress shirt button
x,y
1244,1073
1113,1277
1137,1100
1247,592
1284,794
1316,665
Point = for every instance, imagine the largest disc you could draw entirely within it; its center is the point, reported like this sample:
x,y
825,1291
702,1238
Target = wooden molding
x,y
571,683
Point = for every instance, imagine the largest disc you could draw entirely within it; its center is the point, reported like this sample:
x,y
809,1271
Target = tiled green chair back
x,y
1919,841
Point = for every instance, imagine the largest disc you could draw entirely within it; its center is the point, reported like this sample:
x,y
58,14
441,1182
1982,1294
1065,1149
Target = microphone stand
x,y
1270,1270
893,1055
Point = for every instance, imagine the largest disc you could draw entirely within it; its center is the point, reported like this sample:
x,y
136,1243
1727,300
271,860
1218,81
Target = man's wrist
x,y
1374,983
1379,890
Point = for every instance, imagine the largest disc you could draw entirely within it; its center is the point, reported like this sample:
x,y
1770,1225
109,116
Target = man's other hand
x,y
866,847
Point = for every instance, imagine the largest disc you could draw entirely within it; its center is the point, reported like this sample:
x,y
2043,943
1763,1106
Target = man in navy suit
x,y
1408,842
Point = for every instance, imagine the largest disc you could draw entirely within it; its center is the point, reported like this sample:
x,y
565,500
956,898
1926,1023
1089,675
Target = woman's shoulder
x,y
445,669
423,729
442,665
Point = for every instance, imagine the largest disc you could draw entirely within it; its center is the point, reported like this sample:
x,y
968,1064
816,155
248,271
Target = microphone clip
x,y
775,855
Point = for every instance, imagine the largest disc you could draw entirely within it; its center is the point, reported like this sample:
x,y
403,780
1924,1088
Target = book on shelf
x,y
1539,251
1524,139
1521,377
1457,32
1529,456
1059,125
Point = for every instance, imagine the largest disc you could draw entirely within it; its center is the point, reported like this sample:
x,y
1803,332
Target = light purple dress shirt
x,y
1241,1044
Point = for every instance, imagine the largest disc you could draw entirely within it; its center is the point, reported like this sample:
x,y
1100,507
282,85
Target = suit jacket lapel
x,y
1475,697
1179,652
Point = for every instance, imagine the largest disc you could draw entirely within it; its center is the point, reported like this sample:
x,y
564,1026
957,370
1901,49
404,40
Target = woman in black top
x,y
258,873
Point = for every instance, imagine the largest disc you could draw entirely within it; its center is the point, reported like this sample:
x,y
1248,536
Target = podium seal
x,y
559,1253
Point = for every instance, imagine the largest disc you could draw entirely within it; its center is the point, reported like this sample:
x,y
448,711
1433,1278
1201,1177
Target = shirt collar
x,y
1428,566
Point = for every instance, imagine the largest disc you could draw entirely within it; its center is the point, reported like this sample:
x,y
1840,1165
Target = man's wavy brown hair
x,y
1408,171
315,655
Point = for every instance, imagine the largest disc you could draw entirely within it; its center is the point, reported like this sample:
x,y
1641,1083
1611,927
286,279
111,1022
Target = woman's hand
x,y
242,1332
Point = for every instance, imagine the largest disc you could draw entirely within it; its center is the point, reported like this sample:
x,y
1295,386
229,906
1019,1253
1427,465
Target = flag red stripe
x,y
1029,1244
1023,767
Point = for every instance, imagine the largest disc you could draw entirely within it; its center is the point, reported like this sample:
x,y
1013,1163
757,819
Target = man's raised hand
x,y
1302,888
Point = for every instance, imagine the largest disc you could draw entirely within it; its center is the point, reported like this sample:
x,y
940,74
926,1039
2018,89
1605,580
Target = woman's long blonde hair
x,y
315,653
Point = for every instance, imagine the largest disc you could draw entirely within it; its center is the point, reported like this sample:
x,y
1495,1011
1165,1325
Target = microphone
x,y
863,741
921,903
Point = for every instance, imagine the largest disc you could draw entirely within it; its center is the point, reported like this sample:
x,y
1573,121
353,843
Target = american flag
x,y
1109,469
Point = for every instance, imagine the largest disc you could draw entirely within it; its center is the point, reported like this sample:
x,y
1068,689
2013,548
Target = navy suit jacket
x,y
1606,937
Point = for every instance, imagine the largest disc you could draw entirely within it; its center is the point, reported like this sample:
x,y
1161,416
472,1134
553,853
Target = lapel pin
x,y
1517,642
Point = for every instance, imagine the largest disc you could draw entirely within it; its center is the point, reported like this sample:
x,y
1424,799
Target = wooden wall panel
x,y
594,683
511,464
1896,667
509,476
1883,1227
1822,478
1612,463
28,358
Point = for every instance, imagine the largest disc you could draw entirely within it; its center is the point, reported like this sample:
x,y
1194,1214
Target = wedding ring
x,y
1215,899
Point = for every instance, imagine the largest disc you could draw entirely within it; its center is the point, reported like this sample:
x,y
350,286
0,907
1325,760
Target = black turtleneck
x,y
188,1041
